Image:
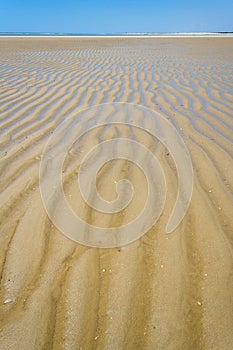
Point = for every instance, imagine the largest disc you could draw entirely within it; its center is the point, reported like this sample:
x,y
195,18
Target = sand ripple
x,y
160,292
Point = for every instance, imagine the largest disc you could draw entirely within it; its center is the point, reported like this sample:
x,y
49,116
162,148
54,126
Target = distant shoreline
x,y
117,35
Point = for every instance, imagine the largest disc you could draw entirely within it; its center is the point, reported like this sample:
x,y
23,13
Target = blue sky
x,y
90,16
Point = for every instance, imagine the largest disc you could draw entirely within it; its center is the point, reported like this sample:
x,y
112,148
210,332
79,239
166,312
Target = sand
x,y
162,291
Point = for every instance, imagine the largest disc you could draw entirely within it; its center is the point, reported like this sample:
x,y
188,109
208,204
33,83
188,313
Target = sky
x,y
90,16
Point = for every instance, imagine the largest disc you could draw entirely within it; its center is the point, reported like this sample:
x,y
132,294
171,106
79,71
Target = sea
x,y
136,34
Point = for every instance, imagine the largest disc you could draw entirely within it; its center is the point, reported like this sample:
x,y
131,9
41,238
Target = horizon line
x,y
114,33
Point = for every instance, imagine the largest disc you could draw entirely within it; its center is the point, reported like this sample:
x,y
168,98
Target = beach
x,y
162,291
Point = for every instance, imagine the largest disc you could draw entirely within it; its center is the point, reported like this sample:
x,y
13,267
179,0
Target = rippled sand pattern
x,y
163,291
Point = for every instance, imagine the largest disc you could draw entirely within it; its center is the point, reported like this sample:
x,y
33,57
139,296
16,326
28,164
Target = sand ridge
x,y
162,291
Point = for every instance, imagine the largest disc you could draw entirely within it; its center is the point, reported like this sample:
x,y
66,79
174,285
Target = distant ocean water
x,y
117,34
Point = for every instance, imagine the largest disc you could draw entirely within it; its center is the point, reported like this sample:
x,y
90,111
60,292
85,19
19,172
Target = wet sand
x,y
162,291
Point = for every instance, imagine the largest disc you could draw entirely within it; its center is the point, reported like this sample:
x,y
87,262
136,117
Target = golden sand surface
x,y
162,291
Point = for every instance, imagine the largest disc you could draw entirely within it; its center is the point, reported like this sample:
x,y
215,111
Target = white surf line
x,y
116,36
